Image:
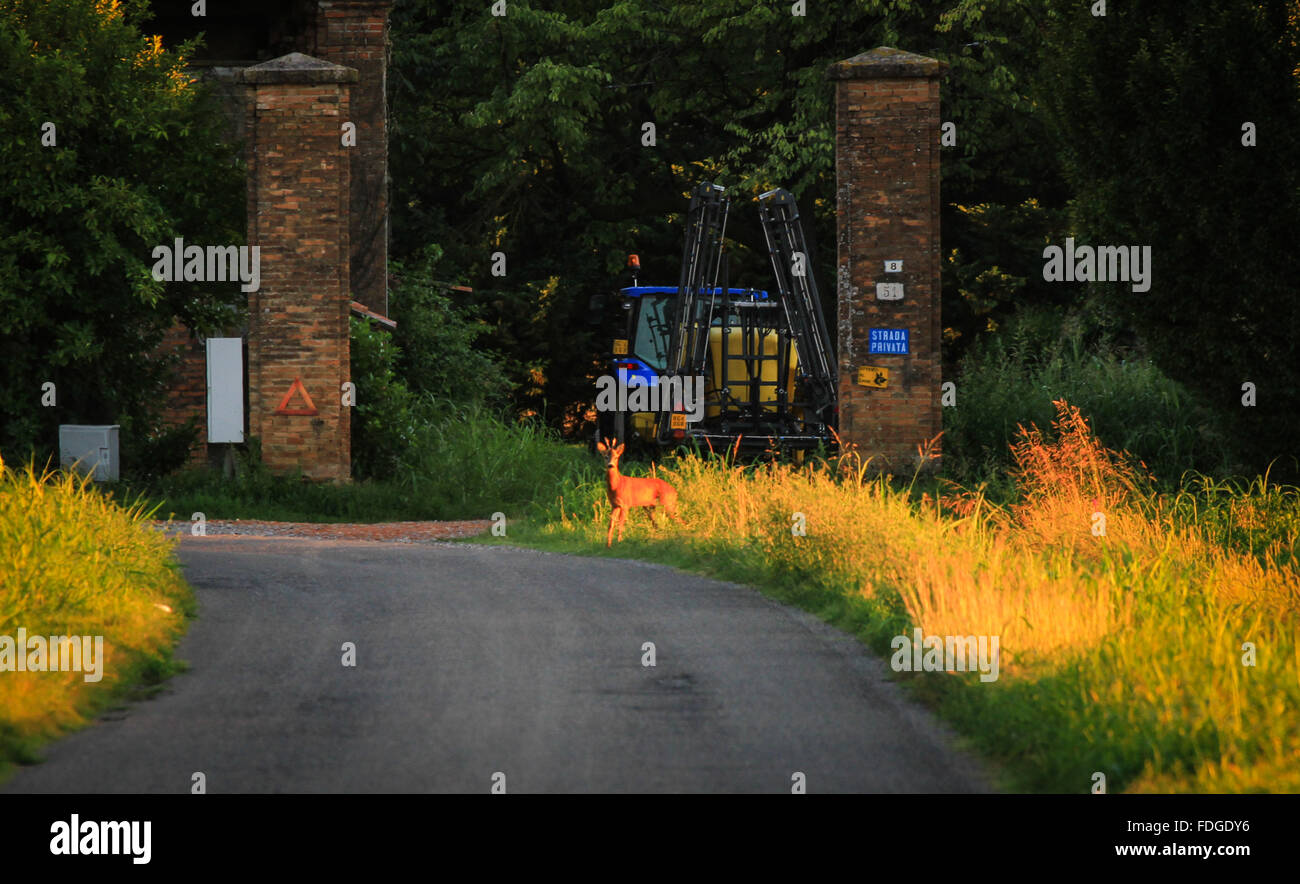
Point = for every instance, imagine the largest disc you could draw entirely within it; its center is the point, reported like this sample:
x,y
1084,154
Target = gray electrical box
x,y
225,389
90,449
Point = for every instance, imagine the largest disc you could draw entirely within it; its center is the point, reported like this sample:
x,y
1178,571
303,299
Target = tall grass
x,y
1122,637
1011,379
465,462
471,461
73,562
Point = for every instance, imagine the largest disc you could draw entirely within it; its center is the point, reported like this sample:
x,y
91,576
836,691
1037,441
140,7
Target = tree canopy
x,y
107,149
1178,127
559,137
526,134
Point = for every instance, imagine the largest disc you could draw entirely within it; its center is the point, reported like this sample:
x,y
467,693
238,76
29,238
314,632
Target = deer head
x,y
610,453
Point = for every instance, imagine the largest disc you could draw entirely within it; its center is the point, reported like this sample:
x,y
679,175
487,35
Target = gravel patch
x,y
383,532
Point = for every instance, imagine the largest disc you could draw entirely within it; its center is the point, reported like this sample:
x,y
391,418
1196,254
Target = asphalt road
x,y
473,661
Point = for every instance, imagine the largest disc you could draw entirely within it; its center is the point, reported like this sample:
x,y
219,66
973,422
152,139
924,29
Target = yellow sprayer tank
x,y
737,373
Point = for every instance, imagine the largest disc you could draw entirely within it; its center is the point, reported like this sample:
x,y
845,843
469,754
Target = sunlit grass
x,y
1123,612
73,562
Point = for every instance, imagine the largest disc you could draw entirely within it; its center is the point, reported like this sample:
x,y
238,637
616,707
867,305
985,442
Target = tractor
x,y
760,360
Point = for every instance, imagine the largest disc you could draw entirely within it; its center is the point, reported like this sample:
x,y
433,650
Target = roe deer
x,y
625,491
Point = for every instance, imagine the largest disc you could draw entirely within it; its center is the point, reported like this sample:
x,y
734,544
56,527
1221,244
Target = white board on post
x,y
225,389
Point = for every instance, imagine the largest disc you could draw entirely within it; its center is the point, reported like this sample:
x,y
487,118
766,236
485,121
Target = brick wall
x,y
187,395
887,171
354,33
298,197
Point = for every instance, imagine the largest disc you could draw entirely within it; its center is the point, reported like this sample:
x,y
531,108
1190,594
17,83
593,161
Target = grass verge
x,y
74,563
1148,636
467,464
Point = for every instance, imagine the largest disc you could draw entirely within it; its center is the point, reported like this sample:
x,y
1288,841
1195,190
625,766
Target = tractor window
x,y
652,330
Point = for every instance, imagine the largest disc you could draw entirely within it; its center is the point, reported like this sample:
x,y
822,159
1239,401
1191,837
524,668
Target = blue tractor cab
x,y
649,329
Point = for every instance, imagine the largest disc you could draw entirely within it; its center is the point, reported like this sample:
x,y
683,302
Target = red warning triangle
x,y
297,387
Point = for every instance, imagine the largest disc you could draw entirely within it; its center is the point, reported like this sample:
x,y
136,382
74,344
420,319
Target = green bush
x,y
1218,211
436,340
475,461
383,419
984,277
464,462
431,355
156,450
1012,377
136,159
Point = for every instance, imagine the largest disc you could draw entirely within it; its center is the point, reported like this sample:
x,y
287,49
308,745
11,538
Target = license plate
x,y
676,421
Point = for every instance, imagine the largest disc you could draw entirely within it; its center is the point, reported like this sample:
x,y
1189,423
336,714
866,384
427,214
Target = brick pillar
x,y
887,171
298,192
355,33
187,394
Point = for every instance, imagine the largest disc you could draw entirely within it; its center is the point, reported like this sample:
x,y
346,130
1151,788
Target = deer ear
x,y
601,446
618,450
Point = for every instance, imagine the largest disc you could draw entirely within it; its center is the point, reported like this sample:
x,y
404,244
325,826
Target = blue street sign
x,y
888,340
